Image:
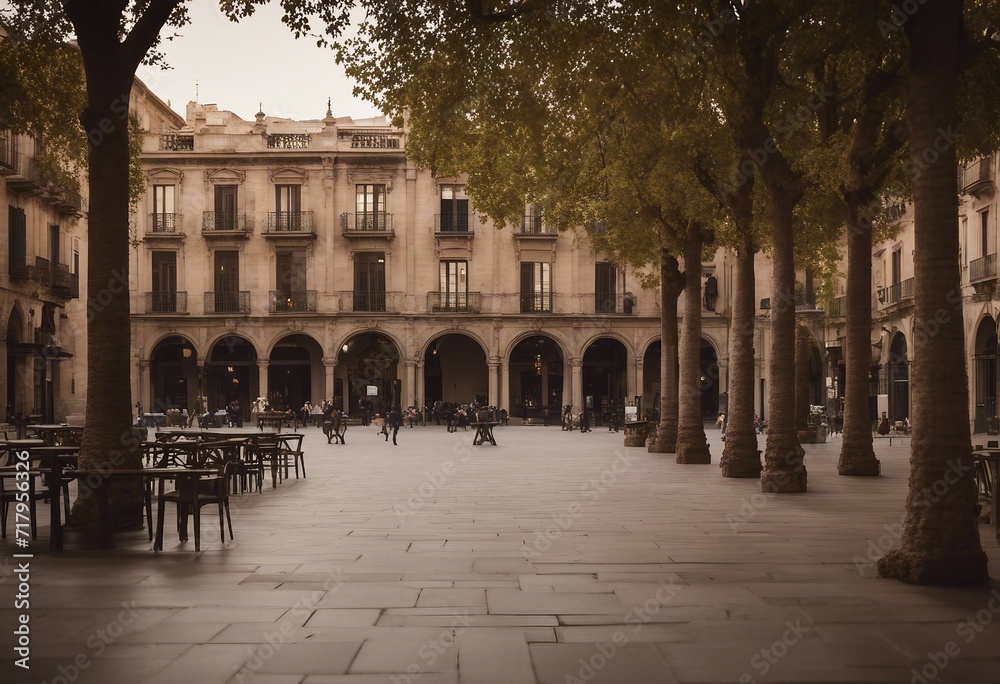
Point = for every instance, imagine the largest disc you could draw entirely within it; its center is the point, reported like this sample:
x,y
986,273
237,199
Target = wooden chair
x,y
267,452
291,450
206,491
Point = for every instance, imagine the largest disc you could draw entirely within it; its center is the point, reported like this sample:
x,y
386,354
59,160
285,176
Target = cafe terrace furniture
x,y
291,451
191,494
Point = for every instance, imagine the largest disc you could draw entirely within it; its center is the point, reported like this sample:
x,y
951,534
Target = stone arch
x,y
455,369
605,376
175,374
368,357
984,373
231,372
538,377
295,371
898,378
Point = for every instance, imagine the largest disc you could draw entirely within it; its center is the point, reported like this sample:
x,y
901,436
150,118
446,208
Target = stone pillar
x,y
329,366
262,365
577,365
504,381
640,380
409,383
492,396
419,394
145,391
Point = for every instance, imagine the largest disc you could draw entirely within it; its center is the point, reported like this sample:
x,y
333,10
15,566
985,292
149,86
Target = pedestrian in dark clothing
x,y
393,421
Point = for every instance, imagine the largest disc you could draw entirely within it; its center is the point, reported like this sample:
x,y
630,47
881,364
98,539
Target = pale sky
x,y
241,66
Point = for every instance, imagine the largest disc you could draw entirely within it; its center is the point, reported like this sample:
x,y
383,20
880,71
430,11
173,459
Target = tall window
x,y
225,207
370,207
895,276
164,295
454,209
17,243
288,207
163,209
369,281
984,232
605,287
54,243
454,294
532,222
536,290
227,281
75,262
290,279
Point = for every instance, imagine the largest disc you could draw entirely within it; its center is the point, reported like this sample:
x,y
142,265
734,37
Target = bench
x,y
333,432
277,420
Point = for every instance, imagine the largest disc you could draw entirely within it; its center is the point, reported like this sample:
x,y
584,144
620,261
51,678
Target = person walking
x,y
393,421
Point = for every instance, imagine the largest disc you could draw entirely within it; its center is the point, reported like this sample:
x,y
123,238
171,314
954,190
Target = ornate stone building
x,y
304,260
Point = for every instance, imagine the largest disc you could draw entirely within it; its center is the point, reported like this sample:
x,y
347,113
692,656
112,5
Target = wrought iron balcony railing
x,y
61,283
452,223
292,301
906,289
366,223
227,302
166,302
288,141
532,224
615,303
983,268
977,175
289,222
536,302
164,223
374,301
224,222
454,302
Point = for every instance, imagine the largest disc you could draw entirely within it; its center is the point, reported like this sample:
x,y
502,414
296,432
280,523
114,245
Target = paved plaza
x,y
553,558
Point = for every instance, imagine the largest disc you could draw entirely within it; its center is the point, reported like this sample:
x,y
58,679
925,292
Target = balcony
x,y
166,302
615,303
367,224
225,224
63,281
984,268
42,272
532,227
288,141
368,301
25,177
448,225
977,176
165,225
227,302
536,302
294,223
455,302
177,142
292,301
838,307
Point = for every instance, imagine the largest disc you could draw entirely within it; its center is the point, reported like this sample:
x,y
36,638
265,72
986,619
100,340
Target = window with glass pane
x,y
454,209
605,281
290,280
227,282
370,208
288,207
17,243
536,291
369,281
533,219
225,207
454,295
163,208
164,295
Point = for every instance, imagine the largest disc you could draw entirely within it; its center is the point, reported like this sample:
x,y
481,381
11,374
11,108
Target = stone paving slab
x,y
554,557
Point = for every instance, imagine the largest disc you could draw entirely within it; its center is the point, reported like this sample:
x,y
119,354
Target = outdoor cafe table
x,y
991,460
484,433
103,477
49,433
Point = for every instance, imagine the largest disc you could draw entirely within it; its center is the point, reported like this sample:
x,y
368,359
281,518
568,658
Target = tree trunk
x,y
740,456
692,446
803,368
784,470
671,284
108,442
857,456
940,542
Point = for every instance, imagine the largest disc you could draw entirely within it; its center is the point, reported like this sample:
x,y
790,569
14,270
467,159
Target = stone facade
x,y
299,260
